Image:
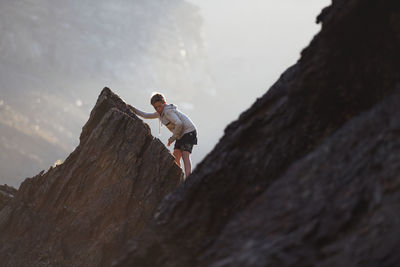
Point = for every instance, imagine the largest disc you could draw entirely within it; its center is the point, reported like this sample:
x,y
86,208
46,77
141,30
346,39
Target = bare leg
x,y
177,154
187,163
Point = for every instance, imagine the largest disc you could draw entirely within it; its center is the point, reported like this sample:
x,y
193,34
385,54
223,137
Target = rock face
x,y
309,175
82,212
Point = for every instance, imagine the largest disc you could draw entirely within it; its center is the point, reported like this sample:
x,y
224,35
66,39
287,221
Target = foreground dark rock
x,y
83,212
309,175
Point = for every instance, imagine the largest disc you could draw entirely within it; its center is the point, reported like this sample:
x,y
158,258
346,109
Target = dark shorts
x,y
187,141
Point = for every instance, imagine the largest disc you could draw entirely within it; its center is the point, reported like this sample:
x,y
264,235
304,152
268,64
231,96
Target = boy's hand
x,y
132,108
171,140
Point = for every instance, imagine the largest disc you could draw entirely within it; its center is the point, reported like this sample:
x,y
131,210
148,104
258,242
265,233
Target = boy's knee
x,y
177,153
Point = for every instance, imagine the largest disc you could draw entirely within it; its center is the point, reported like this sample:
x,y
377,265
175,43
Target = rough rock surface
x,y
309,175
82,212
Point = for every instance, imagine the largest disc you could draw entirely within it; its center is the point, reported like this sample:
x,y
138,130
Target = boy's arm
x,y
144,114
172,117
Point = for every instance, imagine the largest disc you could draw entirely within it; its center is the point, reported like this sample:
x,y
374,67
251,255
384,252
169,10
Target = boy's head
x,y
158,102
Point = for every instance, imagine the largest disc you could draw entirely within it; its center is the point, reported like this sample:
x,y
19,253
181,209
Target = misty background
x,y
212,58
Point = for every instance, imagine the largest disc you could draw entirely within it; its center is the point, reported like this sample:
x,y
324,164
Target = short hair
x,y
157,97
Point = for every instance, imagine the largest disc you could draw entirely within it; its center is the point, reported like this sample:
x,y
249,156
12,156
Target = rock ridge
x,y
82,212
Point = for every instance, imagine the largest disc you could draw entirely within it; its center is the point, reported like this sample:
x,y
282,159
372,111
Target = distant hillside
x,y
7,193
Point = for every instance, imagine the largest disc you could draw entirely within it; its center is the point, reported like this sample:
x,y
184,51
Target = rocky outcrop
x,y
83,212
309,175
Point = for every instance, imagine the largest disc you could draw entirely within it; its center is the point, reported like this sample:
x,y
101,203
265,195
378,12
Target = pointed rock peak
x,y
105,102
84,211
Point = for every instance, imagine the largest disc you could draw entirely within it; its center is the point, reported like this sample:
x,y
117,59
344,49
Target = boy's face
x,y
159,106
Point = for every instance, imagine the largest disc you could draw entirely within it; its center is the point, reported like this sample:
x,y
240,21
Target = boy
x,y
183,129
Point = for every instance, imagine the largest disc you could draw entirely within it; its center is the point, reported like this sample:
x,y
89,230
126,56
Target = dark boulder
x,y
309,175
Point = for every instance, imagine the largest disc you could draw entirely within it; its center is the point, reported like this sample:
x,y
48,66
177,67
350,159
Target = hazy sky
x,y
251,42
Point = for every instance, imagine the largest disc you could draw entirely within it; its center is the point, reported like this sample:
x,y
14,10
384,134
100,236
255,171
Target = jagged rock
x,y
6,194
82,212
309,175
